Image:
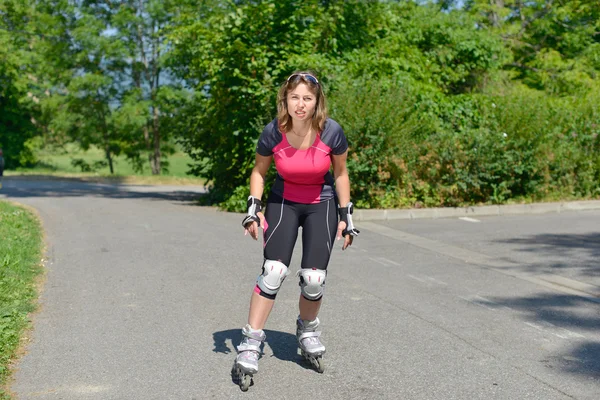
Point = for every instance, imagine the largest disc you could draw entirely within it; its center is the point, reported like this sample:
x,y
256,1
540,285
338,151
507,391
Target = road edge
x,y
475,211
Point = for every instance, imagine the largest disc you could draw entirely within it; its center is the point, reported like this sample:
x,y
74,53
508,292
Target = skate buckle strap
x,y
259,336
305,335
248,347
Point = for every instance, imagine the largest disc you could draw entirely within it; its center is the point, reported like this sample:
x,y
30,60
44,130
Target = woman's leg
x,y
280,233
318,235
309,309
318,232
260,308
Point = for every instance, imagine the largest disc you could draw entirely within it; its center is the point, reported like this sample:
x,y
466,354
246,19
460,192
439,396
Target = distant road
x,y
146,292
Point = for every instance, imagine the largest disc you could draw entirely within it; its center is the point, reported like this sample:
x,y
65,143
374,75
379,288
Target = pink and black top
x,y
303,176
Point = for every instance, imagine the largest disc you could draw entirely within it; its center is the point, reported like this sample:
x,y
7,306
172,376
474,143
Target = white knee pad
x,y
274,272
312,282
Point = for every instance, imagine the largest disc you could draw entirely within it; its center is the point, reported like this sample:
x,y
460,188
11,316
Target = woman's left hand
x,y
347,239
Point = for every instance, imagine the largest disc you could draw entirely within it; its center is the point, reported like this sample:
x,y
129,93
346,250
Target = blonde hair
x,y
320,115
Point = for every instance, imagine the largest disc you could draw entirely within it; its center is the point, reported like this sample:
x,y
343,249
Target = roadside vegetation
x,y
444,102
21,247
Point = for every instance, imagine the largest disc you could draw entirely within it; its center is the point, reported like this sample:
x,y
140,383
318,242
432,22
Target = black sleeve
x,y
333,136
269,138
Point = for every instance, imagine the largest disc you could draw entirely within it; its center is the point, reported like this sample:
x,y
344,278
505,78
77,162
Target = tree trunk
x,y
154,85
146,73
106,137
107,153
110,160
494,17
156,167
148,143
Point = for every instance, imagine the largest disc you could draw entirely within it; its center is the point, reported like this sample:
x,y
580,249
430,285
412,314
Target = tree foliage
x,y
444,102
103,80
555,45
236,59
17,60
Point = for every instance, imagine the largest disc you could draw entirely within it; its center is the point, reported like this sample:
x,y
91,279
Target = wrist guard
x,y
254,207
346,216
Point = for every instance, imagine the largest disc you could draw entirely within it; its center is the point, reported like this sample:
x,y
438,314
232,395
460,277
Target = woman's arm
x,y
342,181
257,176
342,188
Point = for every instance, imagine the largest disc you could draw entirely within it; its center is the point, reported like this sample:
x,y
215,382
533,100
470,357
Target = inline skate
x,y
249,351
310,345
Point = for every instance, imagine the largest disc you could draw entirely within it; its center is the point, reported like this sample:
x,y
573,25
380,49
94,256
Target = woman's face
x,y
301,103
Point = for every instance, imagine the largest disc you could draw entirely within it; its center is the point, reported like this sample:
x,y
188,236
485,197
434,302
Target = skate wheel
x,y
245,383
319,365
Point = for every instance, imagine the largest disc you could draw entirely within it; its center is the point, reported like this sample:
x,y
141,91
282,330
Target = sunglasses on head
x,y
307,77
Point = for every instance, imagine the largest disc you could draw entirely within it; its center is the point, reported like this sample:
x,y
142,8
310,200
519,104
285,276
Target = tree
x,y
555,44
236,58
17,66
142,26
114,92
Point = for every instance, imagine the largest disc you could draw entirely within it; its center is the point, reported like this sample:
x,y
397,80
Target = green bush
x,y
431,103
414,149
381,120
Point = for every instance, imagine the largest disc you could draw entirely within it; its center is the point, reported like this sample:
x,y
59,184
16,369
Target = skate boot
x,y
311,347
246,362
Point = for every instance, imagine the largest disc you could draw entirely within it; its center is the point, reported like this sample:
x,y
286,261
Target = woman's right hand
x,y
252,228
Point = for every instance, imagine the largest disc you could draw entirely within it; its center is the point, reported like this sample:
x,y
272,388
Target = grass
x,y
20,263
59,163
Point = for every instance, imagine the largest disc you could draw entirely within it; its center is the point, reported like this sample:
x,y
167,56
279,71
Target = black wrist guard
x,y
254,207
346,216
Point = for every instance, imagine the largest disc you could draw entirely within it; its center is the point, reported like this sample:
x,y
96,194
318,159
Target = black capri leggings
x,y
319,226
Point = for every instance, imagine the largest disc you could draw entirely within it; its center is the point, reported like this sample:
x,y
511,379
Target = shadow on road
x,y
559,315
584,248
31,188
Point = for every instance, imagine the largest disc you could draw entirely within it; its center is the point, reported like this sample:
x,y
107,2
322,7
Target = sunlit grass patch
x,y
68,161
20,263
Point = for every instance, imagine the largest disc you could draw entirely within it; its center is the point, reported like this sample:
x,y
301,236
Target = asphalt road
x,y
146,292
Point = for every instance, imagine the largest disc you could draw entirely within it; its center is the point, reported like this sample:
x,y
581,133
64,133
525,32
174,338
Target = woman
x,y
304,144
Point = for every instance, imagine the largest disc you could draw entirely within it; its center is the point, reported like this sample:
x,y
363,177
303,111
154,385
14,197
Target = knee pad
x,y
273,274
312,282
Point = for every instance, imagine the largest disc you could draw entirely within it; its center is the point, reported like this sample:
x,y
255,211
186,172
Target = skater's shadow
x,y
283,345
